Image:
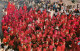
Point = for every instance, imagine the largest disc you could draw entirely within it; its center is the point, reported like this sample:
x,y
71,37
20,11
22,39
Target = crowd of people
x,y
40,30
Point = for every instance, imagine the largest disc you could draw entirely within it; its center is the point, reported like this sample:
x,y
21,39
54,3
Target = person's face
x,y
75,42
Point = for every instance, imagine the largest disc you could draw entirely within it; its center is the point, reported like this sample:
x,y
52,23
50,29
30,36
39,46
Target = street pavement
x,y
2,4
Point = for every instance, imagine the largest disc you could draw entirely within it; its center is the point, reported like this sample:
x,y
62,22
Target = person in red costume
x,y
59,47
11,43
63,45
39,49
20,48
5,41
51,48
5,33
25,7
78,45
